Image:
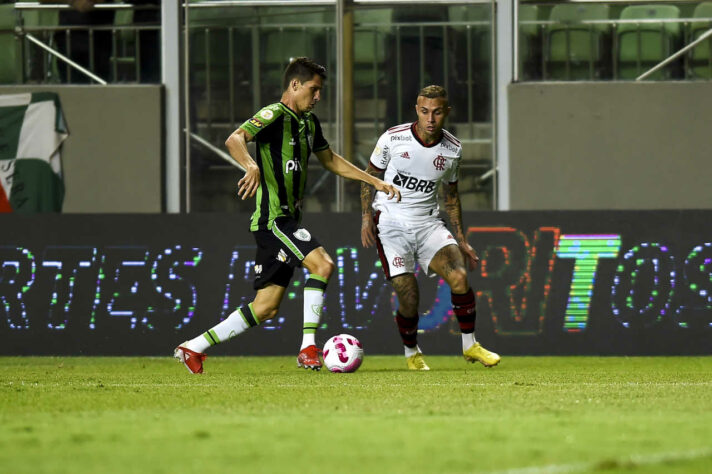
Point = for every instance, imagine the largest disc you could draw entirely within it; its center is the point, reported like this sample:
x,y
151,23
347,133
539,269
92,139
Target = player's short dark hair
x,y
302,69
433,92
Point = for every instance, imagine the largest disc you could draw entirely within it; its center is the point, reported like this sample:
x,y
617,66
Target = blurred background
x,y
547,97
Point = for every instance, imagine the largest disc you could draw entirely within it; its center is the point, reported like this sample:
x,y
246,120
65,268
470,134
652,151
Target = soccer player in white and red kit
x,y
418,158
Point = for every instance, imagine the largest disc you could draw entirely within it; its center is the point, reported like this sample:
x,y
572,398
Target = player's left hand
x,y
247,186
389,189
470,255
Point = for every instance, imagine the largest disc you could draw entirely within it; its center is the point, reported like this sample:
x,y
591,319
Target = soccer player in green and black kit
x,y
286,133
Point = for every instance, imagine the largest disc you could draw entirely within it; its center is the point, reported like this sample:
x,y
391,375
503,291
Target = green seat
x,y
288,33
209,39
210,60
575,51
700,58
480,16
643,45
478,54
42,65
370,46
529,37
9,57
125,58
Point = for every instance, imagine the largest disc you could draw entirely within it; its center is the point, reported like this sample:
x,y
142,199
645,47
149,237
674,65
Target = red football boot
x,y
309,358
192,360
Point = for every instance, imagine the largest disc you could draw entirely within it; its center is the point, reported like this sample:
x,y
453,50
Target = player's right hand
x,y
389,189
247,186
368,231
470,255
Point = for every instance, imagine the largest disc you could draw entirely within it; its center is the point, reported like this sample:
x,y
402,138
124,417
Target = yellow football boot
x,y
477,353
417,362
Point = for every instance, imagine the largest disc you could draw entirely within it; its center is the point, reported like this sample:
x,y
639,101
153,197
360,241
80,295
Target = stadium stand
x,y
700,58
641,45
297,35
529,41
213,31
370,45
372,33
473,47
9,57
43,24
574,50
123,55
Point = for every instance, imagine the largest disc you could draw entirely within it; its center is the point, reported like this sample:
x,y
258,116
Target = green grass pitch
x,y
262,414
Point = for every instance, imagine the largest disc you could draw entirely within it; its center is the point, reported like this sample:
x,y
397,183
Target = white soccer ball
x,y
342,353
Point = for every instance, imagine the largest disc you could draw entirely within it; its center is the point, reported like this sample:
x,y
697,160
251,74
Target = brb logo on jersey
x,y
414,184
292,165
439,162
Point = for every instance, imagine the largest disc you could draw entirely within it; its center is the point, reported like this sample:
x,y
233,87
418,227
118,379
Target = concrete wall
x,y
113,158
610,145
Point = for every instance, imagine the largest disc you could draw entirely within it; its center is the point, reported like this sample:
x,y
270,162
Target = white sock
x,y
468,340
314,290
238,322
411,351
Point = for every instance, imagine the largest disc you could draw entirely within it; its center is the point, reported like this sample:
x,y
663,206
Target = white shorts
x,y
403,243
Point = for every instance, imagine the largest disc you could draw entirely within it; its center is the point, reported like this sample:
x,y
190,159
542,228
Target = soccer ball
x,y
342,353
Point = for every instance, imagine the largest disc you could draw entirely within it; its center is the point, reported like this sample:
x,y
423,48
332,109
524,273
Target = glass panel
x,y
616,40
237,57
400,49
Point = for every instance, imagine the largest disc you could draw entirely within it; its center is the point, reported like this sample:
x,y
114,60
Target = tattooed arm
x,y
453,209
368,228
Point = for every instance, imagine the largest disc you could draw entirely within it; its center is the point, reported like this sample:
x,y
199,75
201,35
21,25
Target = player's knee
x,y
266,311
408,305
458,281
409,309
324,268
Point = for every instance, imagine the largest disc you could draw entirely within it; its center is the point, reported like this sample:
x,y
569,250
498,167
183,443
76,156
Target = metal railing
x,y
703,37
603,60
215,98
55,58
224,90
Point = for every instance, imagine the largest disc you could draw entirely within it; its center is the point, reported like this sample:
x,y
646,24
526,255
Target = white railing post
x,y
170,67
504,63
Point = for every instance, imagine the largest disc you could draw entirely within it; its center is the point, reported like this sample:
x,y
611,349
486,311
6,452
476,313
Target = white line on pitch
x,y
353,383
636,459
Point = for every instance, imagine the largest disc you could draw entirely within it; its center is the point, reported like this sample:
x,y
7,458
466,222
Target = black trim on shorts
x,y
379,247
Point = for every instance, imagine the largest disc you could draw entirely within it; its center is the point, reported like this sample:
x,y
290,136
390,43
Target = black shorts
x,y
280,251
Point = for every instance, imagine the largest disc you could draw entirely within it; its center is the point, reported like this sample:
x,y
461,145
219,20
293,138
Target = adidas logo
x,y
405,155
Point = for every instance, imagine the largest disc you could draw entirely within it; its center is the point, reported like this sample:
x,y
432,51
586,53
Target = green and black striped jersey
x,y
284,143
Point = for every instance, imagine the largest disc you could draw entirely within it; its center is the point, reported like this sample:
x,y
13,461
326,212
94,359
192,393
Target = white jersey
x,y
415,169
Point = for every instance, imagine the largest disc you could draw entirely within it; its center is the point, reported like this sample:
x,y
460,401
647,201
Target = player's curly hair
x,y
302,69
433,92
